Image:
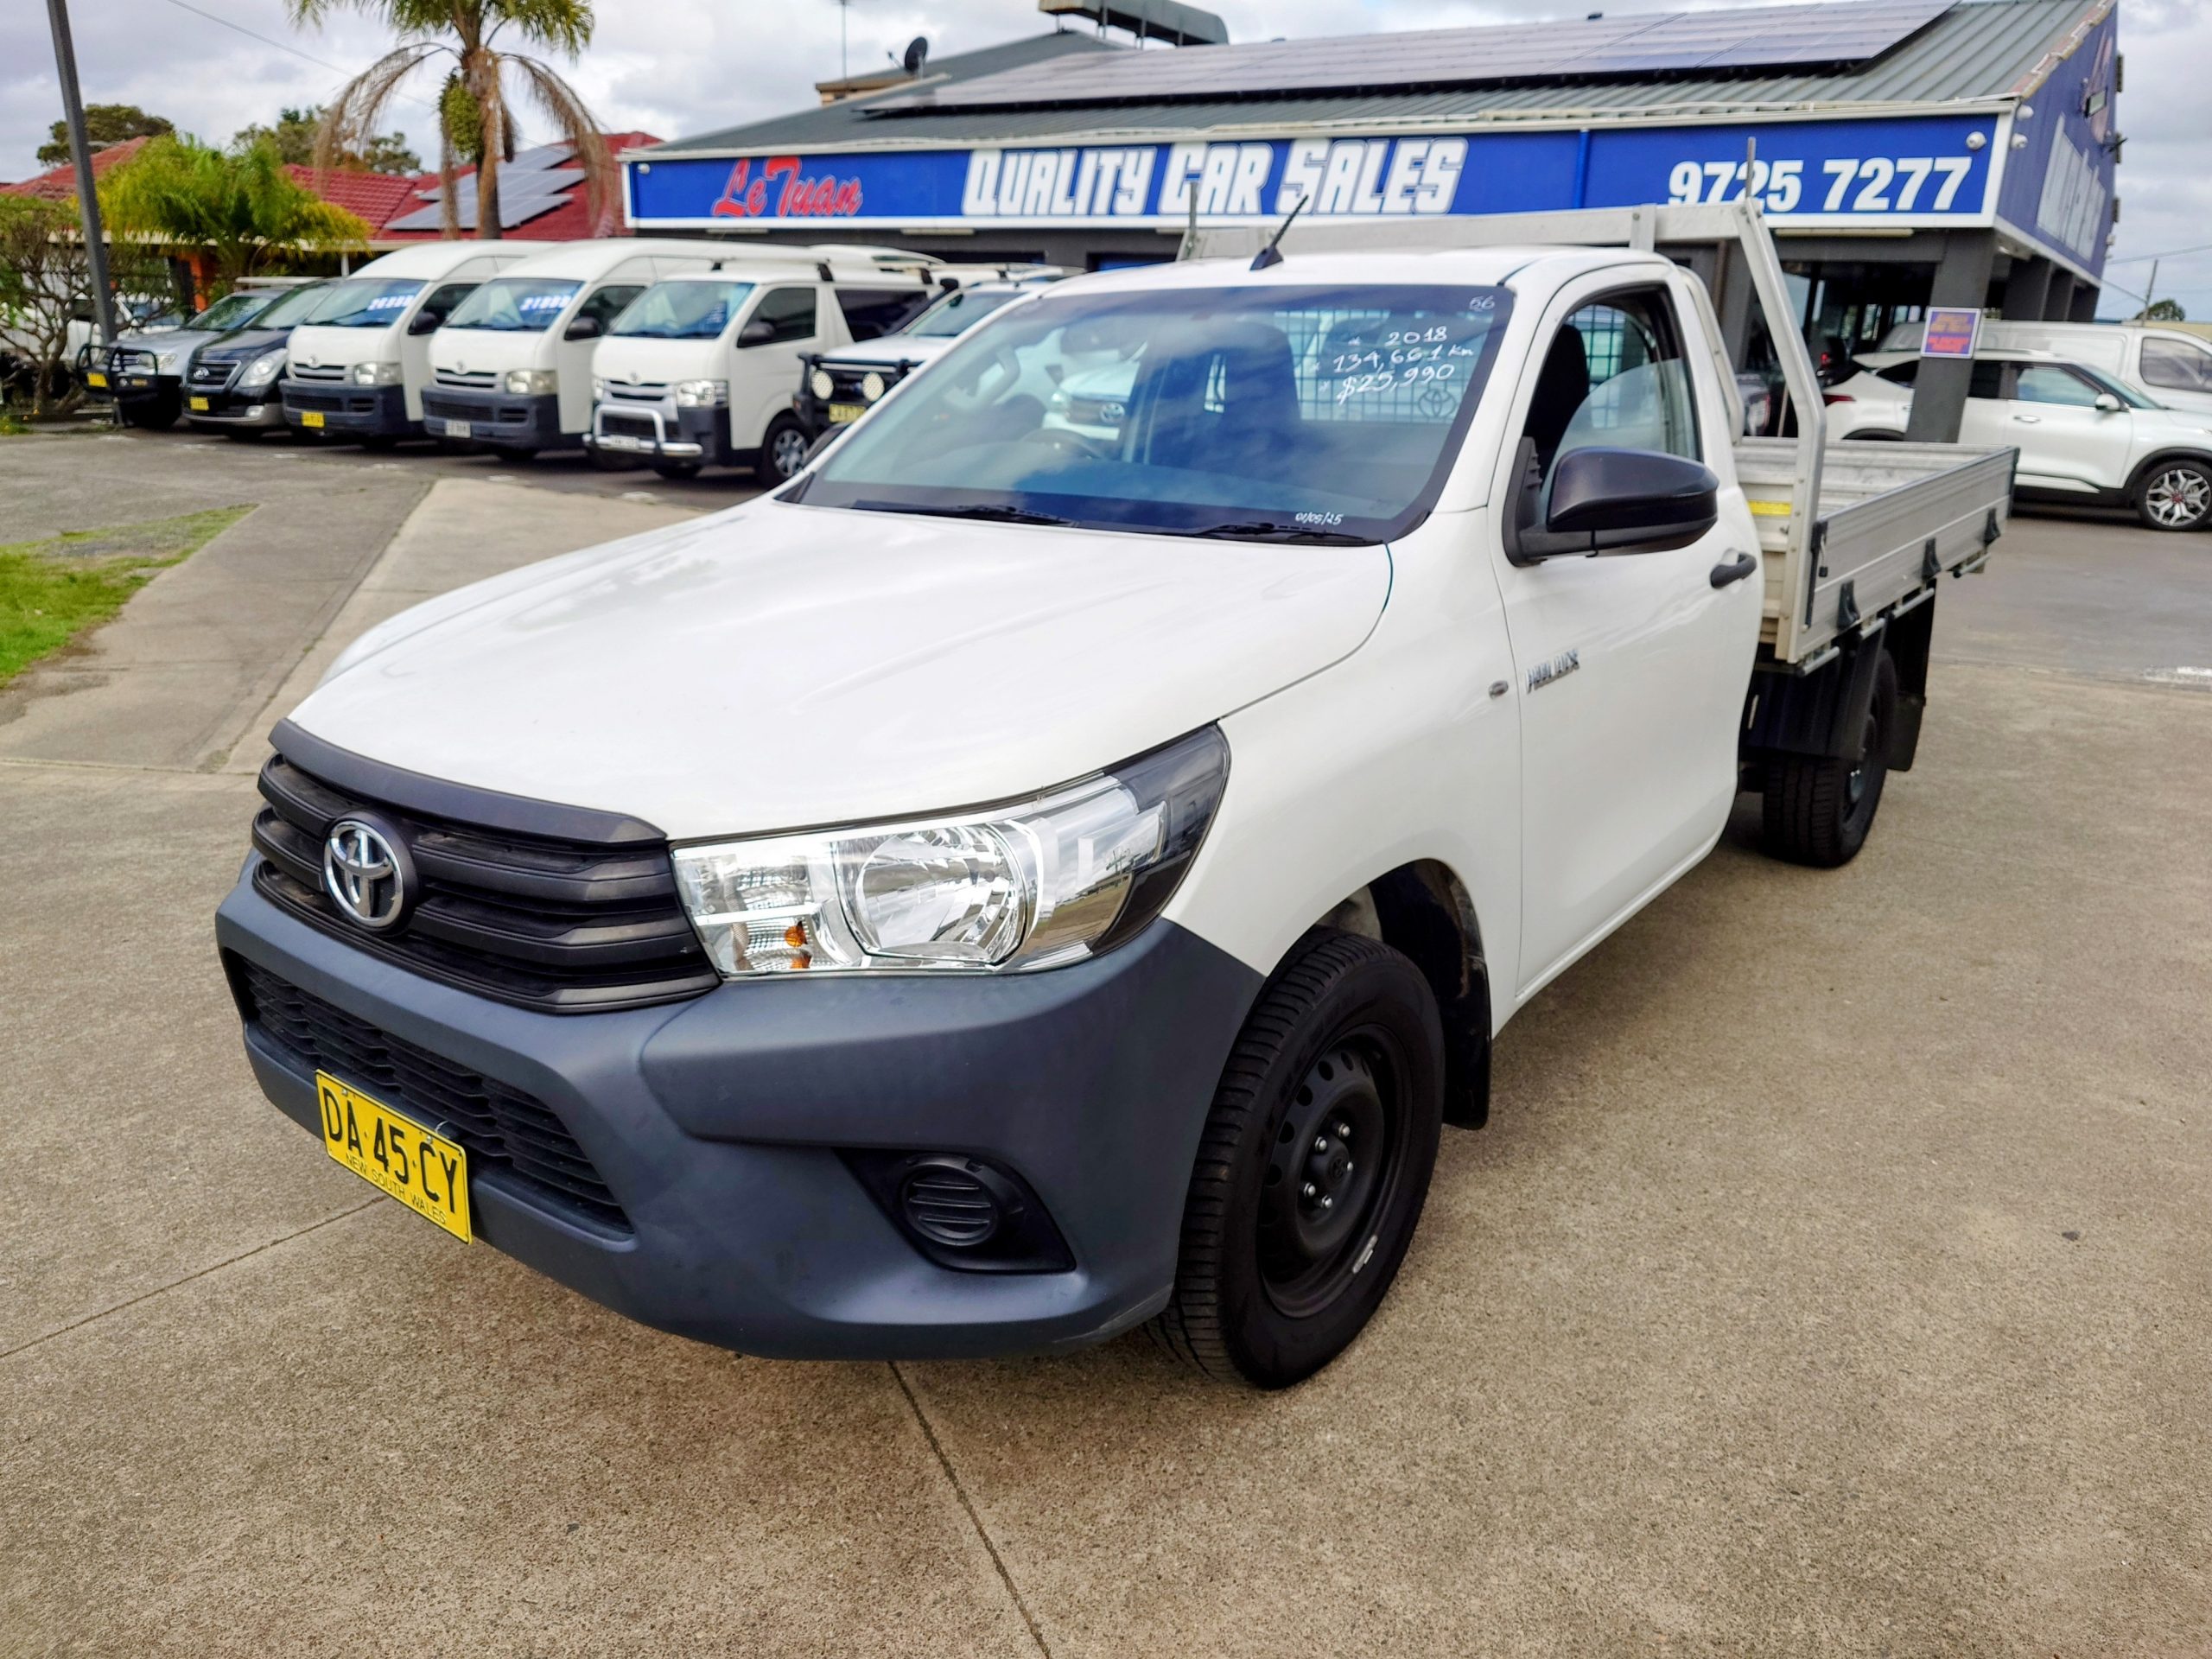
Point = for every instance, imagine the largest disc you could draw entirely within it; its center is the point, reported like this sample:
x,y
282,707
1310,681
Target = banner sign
x,y
1920,170
2058,187
1951,331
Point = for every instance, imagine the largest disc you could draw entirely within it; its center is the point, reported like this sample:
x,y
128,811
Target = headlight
x,y
1036,885
376,374
598,388
262,369
701,394
168,362
820,383
871,385
530,383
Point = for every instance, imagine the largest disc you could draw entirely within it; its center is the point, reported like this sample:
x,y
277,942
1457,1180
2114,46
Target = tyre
x,y
677,469
1818,811
1312,1167
2175,495
783,451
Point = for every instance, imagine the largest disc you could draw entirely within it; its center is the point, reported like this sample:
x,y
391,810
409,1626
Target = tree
x,y
105,124
239,208
46,298
476,118
293,135
2163,311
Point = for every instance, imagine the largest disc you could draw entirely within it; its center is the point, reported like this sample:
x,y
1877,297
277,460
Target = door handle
x,y
2029,420
1735,570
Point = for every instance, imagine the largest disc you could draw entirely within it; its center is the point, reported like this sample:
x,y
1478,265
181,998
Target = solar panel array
x,y
1704,42
536,181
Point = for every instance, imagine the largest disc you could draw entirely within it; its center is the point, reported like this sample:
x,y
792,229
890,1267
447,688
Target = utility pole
x,y
81,154
2149,289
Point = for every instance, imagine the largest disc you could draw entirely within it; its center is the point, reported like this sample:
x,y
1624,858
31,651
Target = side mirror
x,y
584,329
1610,501
2108,404
426,322
756,333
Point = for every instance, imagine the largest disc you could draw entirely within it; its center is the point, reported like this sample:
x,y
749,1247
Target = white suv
x,y
2081,435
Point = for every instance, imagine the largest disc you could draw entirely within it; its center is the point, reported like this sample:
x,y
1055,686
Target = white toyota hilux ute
x,y
1015,883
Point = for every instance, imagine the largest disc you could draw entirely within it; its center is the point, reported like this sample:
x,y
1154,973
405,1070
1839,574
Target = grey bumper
x,y
646,429
732,1128
347,411
488,416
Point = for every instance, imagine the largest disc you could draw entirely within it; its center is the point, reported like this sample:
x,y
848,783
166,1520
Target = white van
x,y
702,368
359,364
512,368
2168,365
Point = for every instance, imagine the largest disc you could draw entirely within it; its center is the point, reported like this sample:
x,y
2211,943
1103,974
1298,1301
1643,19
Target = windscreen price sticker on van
x,y
1952,331
1871,184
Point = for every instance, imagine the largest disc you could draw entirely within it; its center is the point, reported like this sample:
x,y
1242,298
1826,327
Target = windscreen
x,y
365,301
292,308
682,311
2125,393
234,311
514,305
958,311
1266,412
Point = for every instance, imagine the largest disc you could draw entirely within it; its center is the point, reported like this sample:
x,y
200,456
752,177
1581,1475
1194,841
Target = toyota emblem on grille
x,y
367,872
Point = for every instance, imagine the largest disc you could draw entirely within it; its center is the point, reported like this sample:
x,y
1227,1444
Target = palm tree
x,y
475,118
232,212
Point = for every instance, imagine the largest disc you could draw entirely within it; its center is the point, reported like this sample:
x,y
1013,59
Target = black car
x,y
144,373
232,385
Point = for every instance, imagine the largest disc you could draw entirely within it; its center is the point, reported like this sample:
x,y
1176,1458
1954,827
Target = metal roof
x,y
1596,47
1979,52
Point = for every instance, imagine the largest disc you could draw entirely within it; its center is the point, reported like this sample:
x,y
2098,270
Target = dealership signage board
x,y
1952,331
1933,170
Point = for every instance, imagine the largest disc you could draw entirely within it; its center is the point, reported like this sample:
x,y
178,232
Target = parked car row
x,y
681,354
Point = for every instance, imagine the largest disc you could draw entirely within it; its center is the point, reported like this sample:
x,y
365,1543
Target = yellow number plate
x,y
840,413
199,403
94,377
425,1172
311,417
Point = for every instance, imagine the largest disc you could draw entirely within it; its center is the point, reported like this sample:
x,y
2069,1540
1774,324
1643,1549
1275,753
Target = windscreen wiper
x,y
1270,530
989,512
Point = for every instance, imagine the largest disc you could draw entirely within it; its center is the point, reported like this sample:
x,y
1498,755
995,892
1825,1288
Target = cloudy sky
x,y
679,67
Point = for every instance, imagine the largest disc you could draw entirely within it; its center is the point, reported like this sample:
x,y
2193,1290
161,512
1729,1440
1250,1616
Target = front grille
x,y
305,398
302,372
646,392
503,1128
478,381
452,409
212,377
561,926
622,424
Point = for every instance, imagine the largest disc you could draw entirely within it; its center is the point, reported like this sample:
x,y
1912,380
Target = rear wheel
x,y
1819,809
2175,495
783,451
1313,1166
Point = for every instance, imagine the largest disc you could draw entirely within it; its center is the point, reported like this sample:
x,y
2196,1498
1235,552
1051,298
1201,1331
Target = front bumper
x,y
661,432
259,407
353,411
488,416
724,1126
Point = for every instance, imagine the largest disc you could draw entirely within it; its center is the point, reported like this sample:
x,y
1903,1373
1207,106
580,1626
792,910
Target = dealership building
x,y
1907,153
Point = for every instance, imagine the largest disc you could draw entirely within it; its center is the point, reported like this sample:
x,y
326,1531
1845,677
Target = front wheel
x,y
783,451
1818,809
1312,1167
2175,495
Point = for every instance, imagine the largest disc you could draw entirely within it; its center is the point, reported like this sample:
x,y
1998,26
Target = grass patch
x,y
52,592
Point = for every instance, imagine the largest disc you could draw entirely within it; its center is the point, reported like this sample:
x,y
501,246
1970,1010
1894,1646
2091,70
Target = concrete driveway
x,y
1833,1277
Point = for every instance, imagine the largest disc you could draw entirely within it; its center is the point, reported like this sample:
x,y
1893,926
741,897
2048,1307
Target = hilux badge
x,y
1544,673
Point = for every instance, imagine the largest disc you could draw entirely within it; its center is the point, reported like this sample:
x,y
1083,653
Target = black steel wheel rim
x,y
1333,1168
1865,776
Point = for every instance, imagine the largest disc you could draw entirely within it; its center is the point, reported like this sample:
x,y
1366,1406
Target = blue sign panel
x,y
1922,170
2058,189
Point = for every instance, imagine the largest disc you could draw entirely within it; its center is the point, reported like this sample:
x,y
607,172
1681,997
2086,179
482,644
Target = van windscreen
x,y
689,310
365,301
515,305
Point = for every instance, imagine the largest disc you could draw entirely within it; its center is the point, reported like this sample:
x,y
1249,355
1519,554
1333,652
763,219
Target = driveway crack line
x,y
974,1519
215,1267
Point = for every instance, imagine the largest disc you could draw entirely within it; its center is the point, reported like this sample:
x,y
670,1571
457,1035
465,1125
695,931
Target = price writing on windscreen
x,y
1855,184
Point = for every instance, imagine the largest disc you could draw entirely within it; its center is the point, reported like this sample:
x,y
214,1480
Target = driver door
x,y
1632,667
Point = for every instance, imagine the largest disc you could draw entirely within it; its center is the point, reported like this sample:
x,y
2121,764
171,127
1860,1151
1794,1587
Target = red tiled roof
x,y
60,184
375,196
